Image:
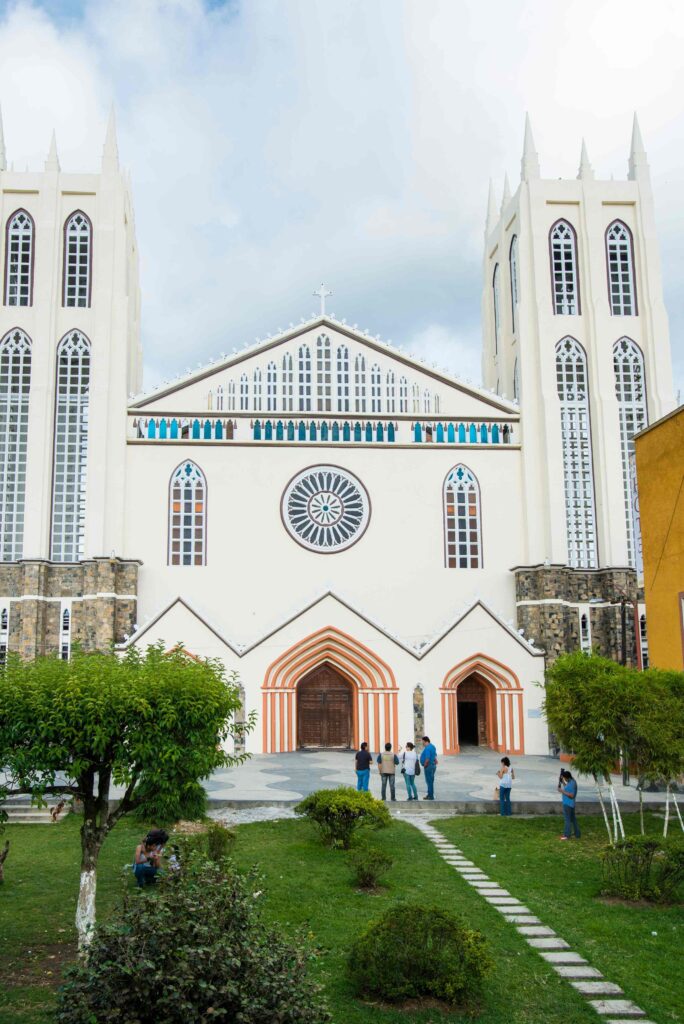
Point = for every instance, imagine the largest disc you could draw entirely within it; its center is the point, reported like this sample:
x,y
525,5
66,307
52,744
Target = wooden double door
x,y
324,709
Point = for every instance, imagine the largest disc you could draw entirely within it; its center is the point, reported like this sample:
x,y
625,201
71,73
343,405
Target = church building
x,y
377,549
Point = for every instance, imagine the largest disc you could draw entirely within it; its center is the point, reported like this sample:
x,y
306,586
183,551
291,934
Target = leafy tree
x,y
657,742
153,724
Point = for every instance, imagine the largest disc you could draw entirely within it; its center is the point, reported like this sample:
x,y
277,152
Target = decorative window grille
x,y
630,391
271,387
4,635
304,379
497,310
513,266
376,389
462,525
288,384
343,404
573,392
323,374
643,636
585,631
360,384
415,399
257,389
244,393
15,384
516,381
187,516
231,396
71,448
65,632
391,392
621,290
564,269
78,244
19,260
427,401
403,395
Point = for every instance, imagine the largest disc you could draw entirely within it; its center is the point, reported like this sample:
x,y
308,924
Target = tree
x,y
657,743
152,723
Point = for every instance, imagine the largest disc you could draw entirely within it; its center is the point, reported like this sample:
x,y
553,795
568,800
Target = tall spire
x,y
530,159
52,162
491,208
506,198
110,152
3,155
638,164
586,171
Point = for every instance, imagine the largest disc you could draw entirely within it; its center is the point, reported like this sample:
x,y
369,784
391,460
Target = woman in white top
x,y
506,776
408,769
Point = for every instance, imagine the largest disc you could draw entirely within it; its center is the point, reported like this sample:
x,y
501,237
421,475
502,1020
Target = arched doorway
x,y
482,702
324,709
472,722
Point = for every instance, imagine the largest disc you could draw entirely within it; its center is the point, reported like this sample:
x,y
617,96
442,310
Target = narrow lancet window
x,y
564,269
187,516
71,448
15,384
462,520
19,260
78,244
620,256
630,391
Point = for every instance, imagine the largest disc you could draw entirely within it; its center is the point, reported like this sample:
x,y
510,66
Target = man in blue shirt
x,y
568,789
428,760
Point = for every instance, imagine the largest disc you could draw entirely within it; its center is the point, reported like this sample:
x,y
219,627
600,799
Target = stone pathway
x,y
604,996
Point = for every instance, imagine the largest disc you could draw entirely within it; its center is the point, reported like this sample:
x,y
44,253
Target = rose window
x,y
325,509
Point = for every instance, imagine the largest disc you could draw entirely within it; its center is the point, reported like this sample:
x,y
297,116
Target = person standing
x,y
409,764
388,766
363,762
428,760
506,776
568,790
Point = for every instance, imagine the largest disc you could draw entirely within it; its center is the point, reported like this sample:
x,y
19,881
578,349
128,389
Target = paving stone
x,y
576,971
597,988
547,943
628,1020
625,1007
535,929
563,958
522,919
503,901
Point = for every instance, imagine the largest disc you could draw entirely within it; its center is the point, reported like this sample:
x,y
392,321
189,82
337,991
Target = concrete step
x,y
25,814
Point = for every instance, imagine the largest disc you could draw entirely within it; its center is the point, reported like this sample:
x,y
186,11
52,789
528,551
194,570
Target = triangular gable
x,y
185,395
180,624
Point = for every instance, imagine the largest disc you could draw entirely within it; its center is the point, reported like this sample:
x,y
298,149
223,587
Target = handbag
x,y
417,772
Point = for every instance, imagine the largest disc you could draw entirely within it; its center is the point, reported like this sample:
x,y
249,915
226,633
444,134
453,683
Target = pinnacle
x,y
638,163
586,171
491,208
52,161
530,158
110,151
506,198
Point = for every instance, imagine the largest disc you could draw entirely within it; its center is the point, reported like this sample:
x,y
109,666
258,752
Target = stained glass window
x,y
187,516
463,533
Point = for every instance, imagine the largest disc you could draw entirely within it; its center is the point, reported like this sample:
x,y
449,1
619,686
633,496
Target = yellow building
x,y
660,475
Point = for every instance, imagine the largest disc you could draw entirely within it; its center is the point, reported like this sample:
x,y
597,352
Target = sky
x,y
275,144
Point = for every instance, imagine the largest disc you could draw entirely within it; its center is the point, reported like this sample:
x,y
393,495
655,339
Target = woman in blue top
x,y
568,790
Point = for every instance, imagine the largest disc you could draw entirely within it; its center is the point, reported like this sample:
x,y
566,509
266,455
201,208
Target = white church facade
x,y
377,548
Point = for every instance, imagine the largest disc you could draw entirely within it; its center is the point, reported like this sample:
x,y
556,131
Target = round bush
x,y
368,864
193,950
414,951
340,812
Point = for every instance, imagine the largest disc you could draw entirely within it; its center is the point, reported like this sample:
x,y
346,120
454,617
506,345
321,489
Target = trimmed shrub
x,y
340,812
643,868
368,864
197,951
415,951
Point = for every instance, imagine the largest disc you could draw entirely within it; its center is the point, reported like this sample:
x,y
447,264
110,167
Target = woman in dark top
x,y
363,762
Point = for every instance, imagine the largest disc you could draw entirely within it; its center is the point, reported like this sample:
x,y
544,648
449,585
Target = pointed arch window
x,y
427,401
187,516
244,393
630,391
376,389
415,399
497,307
19,257
462,520
323,374
573,392
391,392
585,632
231,396
78,255
288,383
620,256
257,389
304,379
219,398
343,379
403,395
70,462
565,282
271,387
513,266
360,384
15,384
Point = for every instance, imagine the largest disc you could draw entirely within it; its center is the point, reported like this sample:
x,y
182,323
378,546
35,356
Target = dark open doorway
x,y
468,732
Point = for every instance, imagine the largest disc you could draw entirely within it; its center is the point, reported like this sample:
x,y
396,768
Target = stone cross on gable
x,y
322,294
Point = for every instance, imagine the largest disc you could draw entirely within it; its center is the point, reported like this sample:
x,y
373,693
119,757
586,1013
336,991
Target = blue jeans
x,y
145,874
410,781
385,778
430,770
362,779
570,822
505,801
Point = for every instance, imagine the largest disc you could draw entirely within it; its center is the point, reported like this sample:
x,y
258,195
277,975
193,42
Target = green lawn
x,y
308,885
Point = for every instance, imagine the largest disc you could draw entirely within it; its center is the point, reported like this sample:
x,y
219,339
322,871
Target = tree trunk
x,y
85,908
3,858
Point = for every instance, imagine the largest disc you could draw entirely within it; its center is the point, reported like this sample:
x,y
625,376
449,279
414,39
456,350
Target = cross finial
x,y
322,294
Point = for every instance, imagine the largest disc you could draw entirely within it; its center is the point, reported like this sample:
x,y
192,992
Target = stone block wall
x,y
102,593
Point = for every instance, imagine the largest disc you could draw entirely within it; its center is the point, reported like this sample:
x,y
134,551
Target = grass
x,y
309,886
